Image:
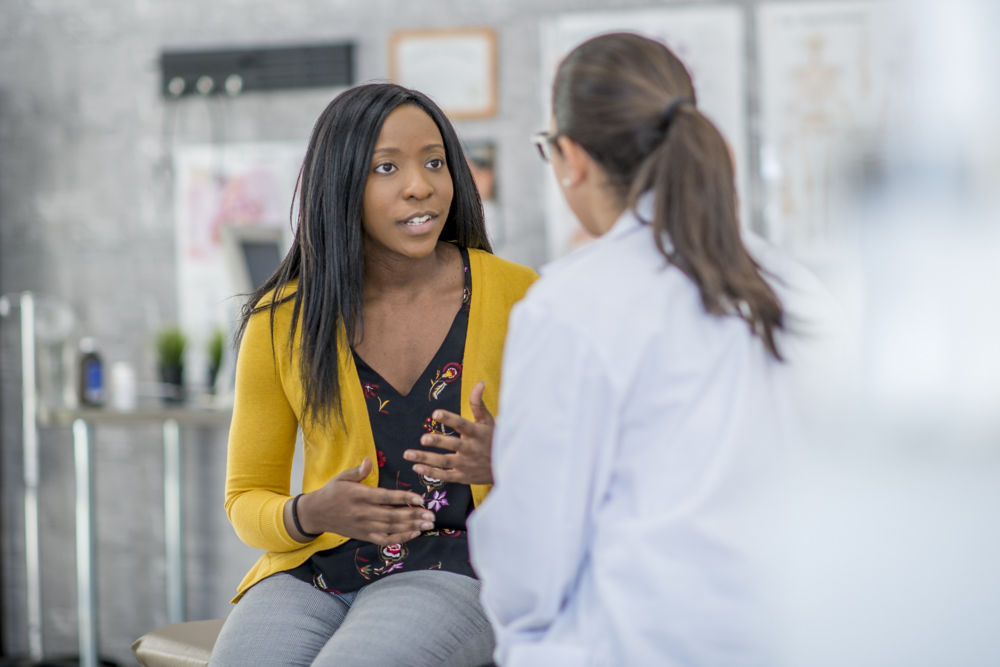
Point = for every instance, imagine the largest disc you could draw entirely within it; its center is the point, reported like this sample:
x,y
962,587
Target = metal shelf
x,y
84,423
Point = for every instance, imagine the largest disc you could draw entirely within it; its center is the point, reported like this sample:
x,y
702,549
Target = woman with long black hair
x,y
388,307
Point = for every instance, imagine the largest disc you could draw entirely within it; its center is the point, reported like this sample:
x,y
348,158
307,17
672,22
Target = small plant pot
x,y
172,384
213,375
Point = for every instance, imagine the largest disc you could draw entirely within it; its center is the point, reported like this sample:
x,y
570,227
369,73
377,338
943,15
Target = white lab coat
x,y
636,443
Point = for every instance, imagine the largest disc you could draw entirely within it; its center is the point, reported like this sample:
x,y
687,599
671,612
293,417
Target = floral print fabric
x,y
397,424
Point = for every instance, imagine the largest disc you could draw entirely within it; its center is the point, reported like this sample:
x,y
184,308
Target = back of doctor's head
x,y
629,102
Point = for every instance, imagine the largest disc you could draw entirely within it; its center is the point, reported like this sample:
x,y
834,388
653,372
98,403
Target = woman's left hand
x,y
468,460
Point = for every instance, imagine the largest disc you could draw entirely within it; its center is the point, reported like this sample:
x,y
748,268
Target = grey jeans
x,y
422,618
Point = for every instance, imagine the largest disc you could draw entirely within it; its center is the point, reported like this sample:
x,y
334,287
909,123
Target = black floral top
x,y
397,423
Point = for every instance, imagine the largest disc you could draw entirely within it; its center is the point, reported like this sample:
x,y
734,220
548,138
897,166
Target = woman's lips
x,y
418,220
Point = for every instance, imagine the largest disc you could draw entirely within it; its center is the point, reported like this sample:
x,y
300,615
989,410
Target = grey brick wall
x,y
86,216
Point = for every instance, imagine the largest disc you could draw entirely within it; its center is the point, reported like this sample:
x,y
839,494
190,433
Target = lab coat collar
x,y
630,221
633,219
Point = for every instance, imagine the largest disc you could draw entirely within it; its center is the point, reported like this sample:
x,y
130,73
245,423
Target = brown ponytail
x,y
629,102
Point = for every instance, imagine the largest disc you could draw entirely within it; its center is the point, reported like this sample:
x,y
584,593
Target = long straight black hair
x,y
326,256
629,102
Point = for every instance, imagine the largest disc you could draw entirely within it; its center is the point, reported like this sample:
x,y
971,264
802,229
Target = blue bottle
x,y
91,374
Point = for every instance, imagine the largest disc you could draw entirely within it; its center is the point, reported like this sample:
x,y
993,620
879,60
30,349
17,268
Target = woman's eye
x,y
385,168
436,163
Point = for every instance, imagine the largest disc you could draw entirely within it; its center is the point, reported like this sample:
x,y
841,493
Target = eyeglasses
x,y
545,142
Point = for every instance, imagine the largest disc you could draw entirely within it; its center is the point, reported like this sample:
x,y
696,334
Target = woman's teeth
x,y
419,220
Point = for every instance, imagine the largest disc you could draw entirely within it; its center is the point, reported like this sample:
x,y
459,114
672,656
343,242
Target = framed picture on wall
x,y
456,67
481,155
826,74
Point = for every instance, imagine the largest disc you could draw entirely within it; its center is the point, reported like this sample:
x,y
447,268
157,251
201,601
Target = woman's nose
x,y
417,186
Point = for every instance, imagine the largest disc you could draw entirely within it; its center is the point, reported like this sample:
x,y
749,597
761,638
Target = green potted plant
x,y
216,350
170,344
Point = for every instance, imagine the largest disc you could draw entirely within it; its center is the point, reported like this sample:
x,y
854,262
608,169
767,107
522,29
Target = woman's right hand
x,y
374,514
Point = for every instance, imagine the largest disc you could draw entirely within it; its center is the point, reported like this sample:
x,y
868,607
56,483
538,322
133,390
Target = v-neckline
x,y
466,303
358,359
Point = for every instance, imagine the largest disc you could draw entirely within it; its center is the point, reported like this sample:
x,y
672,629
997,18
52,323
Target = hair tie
x,y
671,111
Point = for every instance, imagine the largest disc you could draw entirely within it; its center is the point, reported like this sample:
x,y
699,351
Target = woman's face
x,y
409,188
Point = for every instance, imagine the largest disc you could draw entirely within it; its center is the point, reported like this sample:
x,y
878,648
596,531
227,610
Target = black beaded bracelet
x,y
295,519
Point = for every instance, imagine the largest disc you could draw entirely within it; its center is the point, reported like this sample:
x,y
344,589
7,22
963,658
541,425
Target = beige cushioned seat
x,y
178,645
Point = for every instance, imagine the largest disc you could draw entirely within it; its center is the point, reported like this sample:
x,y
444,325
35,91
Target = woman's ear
x,y
576,162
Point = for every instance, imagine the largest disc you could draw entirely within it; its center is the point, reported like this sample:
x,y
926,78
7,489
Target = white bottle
x,y
123,386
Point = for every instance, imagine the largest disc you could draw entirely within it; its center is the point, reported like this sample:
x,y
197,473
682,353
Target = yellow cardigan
x,y
269,400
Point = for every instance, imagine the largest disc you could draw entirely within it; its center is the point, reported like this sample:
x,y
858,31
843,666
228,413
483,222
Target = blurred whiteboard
x,y
218,186
709,40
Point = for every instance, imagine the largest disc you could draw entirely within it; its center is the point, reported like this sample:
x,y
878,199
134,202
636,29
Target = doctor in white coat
x,y
647,398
